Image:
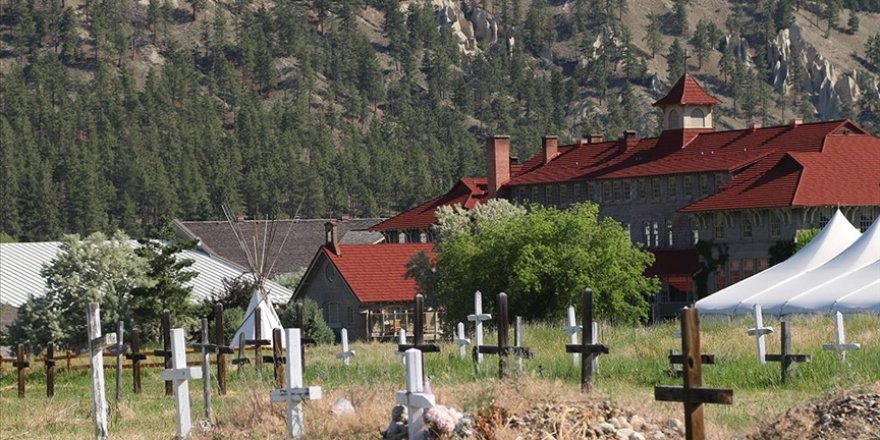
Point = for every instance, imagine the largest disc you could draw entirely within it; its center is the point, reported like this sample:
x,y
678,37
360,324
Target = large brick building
x,y
743,190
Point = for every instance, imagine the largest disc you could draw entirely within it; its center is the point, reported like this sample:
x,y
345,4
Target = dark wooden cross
x,y
136,357
258,342
503,349
785,358
692,394
49,363
301,325
166,351
277,358
677,359
419,331
21,363
222,348
586,348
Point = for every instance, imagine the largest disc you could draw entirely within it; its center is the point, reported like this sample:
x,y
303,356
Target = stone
x,y
615,423
636,436
607,428
636,422
624,434
342,407
675,424
658,435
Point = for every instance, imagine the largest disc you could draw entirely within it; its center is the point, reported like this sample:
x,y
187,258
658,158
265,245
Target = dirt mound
x,y
849,417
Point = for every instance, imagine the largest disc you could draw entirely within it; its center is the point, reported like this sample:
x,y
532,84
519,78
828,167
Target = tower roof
x,y
687,91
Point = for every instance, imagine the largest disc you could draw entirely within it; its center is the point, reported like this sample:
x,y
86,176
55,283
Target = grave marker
x,y
572,329
241,360
692,394
840,345
758,332
401,341
166,345
49,363
346,353
277,358
206,369
517,341
419,330
588,351
120,351
21,363
461,341
503,349
415,399
222,348
785,359
478,317
179,375
258,342
296,393
97,343
136,357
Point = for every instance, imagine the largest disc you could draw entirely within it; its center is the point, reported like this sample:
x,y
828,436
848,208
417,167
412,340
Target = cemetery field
x,y
637,361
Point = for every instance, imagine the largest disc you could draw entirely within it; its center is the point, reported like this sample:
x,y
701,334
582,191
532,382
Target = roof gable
x,y
467,192
687,91
377,273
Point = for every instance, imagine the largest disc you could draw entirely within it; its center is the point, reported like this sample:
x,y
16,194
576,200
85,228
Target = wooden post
x,y
503,349
222,350
241,360
296,393
785,358
68,356
136,357
692,394
587,349
97,343
179,374
166,344
278,357
21,363
478,317
50,369
419,331
258,340
120,351
206,369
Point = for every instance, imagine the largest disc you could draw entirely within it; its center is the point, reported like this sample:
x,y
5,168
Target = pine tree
x,y
681,17
198,5
702,42
872,51
676,60
831,13
853,22
653,34
726,64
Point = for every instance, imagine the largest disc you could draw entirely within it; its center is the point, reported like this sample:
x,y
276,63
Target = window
x,y
617,196
698,118
763,263
646,231
656,231
606,192
627,190
734,271
671,188
775,225
719,179
523,193
401,237
548,195
823,220
688,186
655,189
563,196
748,267
591,192
350,315
719,228
695,229
641,189
331,314
423,237
669,233
535,194
578,191
746,227
627,229
330,273
864,222
673,121
704,184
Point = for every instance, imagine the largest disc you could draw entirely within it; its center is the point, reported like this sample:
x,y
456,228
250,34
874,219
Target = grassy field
x,y
626,377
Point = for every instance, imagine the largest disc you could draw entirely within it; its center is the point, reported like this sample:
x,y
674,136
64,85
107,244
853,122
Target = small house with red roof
x,y
363,287
739,191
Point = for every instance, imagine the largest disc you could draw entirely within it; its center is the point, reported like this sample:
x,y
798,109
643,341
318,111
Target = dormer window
x,y
698,118
674,120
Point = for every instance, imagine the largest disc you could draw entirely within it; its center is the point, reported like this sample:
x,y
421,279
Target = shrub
x,y
315,327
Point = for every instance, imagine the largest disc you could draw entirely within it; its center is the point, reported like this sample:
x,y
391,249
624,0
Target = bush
x,y
315,327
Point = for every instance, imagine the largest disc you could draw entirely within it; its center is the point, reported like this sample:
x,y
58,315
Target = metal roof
x,y
20,265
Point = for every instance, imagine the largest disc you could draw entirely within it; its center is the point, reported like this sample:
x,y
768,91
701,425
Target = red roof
x,y
844,171
687,91
467,192
376,272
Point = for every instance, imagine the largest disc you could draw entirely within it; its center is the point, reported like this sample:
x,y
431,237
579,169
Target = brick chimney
x,y
594,139
498,160
754,126
796,122
551,146
629,139
331,237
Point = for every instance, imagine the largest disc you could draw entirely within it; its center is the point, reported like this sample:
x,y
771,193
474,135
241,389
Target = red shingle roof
x,y
675,266
687,91
375,273
467,192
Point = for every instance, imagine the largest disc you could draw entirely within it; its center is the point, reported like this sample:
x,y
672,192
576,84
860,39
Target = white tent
x,y
859,291
268,320
738,298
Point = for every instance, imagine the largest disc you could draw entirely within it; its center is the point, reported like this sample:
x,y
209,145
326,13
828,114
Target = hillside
x,y
123,114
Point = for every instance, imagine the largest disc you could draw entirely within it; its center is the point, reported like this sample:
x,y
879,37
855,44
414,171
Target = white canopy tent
x,y
739,298
858,291
268,320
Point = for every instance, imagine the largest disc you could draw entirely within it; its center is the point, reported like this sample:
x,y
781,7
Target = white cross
x,y
518,342
97,343
295,394
595,341
346,353
415,398
478,317
758,332
401,340
461,341
180,375
572,329
840,346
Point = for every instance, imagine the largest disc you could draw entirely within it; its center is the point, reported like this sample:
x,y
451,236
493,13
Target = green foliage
x,y
6,238
38,322
803,236
831,14
853,22
232,318
543,259
713,256
682,28
236,293
291,279
653,34
676,60
872,51
315,327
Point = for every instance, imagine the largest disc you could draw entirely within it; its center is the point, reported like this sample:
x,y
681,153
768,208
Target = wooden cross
x,y
503,349
478,317
572,329
840,346
97,343
785,359
222,348
206,369
166,347
120,351
345,354
419,330
461,341
587,350
301,324
258,342
415,399
136,357
296,393
277,357
676,358
692,394
758,332
241,359
49,363
21,363
179,374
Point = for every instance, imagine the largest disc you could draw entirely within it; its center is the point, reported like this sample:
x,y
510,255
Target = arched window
x,y
698,118
674,120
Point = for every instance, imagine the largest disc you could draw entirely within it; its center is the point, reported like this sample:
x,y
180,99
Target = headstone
x,y
572,329
785,358
97,343
415,399
21,363
120,352
136,357
49,363
503,349
478,317
840,345
461,341
296,393
758,332
588,351
692,394
179,375
346,353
